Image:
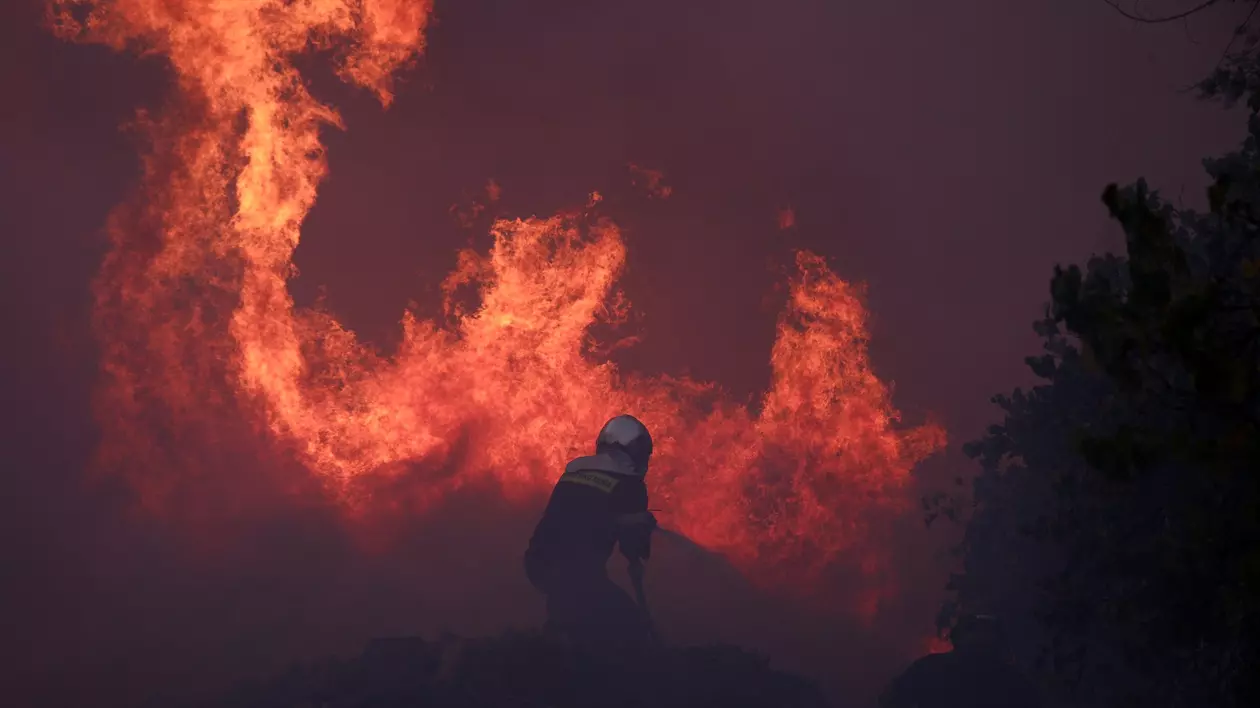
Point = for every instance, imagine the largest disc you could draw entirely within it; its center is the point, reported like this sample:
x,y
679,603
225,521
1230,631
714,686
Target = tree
x,y
1117,511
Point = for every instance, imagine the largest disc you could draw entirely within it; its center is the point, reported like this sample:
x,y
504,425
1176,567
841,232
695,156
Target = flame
x,y
936,644
787,218
652,181
195,319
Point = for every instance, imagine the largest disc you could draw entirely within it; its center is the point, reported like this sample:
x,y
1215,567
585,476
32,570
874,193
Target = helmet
x,y
627,434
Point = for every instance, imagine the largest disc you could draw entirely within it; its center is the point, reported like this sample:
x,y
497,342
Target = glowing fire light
x,y
194,313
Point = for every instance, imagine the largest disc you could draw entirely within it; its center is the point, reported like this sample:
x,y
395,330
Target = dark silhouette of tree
x,y
1240,49
1117,510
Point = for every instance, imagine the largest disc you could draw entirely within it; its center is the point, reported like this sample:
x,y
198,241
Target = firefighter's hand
x,y
636,550
635,568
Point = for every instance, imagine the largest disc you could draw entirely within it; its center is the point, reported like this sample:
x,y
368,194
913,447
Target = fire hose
x,y
637,569
640,596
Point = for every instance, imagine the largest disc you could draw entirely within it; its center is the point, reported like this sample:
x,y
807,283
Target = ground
x,y
527,670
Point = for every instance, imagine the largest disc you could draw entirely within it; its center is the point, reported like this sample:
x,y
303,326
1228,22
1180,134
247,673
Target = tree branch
x,y
1160,20
1242,27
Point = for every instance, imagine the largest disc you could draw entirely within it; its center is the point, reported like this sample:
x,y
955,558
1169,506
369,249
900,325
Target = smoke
x,y
236,588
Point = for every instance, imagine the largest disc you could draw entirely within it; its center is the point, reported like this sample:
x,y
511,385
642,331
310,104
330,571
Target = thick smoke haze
x,y
945,154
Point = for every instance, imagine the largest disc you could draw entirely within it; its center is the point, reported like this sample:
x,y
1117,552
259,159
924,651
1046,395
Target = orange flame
x,y
787,218
653,181
194,316
936,644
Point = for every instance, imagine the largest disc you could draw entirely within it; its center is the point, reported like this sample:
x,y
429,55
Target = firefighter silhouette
x,y
599,502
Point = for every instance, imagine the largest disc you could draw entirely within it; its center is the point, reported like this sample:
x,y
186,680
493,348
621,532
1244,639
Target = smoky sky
x,y
945,154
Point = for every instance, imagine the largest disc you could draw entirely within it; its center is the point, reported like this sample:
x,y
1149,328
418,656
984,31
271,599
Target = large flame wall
x,y
196,321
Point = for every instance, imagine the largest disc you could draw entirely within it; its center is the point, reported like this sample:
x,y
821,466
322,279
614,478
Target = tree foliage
x,y
1117,511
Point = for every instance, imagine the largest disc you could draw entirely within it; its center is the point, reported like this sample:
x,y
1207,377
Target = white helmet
x,y
628,434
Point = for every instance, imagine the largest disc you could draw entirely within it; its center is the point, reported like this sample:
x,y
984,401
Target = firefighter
x,y
600,501
977,673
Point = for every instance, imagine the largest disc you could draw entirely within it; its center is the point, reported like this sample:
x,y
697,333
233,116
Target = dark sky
x,y
947,154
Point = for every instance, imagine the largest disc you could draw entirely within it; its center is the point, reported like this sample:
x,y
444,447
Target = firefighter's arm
x,y
635,526
639,518
634,534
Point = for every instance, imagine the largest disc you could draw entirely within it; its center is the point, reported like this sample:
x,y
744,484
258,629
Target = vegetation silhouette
x,y
527,670
1115,522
